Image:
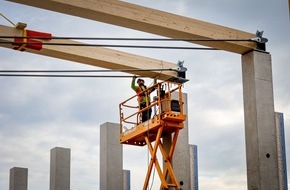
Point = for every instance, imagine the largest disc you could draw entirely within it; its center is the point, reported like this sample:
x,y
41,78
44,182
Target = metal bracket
x,y
260,40
180,66
181,69
21,25
180,73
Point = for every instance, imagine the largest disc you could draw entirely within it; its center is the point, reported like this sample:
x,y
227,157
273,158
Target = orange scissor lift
x,y
167,119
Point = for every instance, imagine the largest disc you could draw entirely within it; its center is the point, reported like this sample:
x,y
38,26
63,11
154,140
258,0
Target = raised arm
x,y
133,86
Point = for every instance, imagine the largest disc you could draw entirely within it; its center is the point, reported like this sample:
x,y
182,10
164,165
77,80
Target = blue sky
x,y
37,114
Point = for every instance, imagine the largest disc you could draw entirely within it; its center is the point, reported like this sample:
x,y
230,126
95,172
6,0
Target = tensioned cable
x,y
83,71
16,73
121,39
70,76
127,39
7,19
108,45
12,73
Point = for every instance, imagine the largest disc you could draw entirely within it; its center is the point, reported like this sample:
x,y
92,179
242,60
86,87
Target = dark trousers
x,y
146,114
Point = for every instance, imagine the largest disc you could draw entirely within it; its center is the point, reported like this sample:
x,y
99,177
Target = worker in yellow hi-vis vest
x,y
143,98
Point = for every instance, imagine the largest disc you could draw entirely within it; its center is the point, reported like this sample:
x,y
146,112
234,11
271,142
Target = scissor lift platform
x,y
167,120
136,135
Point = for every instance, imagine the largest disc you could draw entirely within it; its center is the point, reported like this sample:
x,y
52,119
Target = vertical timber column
x,y
111,157
60,168
181,156
260,130
18,178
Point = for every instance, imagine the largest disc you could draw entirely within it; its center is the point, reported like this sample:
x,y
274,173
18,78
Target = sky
x,y
38,114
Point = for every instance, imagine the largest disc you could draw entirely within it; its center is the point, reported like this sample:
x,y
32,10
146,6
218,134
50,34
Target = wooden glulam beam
x,y
149,20
96,56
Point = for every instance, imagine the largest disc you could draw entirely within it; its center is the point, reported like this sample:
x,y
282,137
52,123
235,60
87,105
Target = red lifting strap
x,y
31,43
35,34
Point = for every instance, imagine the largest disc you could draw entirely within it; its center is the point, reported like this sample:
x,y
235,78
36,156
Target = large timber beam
x,y
96,56
149,20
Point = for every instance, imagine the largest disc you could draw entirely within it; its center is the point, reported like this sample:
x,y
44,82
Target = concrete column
x,y
18,178
111,157
59,169
181,157
126,180
281,151
193,167
260,131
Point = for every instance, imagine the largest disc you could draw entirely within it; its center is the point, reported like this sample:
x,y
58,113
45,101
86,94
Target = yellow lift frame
x,y
168,119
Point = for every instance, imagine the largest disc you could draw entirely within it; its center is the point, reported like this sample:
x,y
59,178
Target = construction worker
x,y
143,98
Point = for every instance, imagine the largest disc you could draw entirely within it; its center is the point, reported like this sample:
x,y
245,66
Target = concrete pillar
x,y
260,131
281,151
193,167
18,178
181,157
111,157
59,169
126,180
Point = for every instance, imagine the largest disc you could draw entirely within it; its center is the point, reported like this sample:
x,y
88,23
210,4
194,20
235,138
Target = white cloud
x,y
37,114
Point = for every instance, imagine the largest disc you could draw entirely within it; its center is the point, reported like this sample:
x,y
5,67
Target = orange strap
x,y
24,34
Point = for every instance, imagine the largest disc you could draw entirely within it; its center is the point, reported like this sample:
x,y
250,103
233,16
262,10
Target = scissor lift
x,y
167,119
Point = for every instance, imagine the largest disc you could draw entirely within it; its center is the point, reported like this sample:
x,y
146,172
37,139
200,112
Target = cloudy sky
x,y
38,114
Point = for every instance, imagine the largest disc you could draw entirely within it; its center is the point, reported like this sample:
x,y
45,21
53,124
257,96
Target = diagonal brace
x,y
166,158
154,160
